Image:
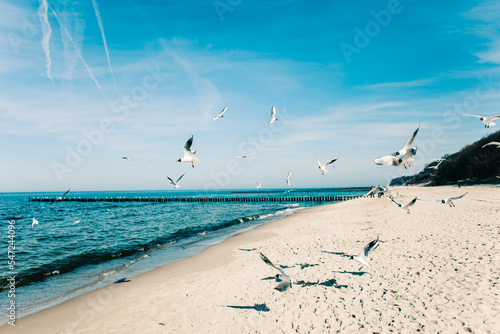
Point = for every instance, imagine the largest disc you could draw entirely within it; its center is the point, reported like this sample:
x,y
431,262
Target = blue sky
x,y
349,79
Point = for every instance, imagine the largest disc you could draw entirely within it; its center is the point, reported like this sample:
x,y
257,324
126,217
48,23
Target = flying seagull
x,y
220,115
273,115
407,146
492,143
486,120
127,158
322,168
378,190
188,154
34,222
405,206
258,185
286,281
448,201
176,183
245,155
435,167
60,197
77,222
391,160
364,256
288,178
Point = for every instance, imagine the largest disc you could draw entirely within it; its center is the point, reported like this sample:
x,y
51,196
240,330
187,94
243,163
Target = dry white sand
x,y
436,270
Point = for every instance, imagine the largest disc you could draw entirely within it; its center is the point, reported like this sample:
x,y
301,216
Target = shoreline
x,y
228,288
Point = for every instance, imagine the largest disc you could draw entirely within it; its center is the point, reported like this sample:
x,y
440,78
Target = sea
x,y
77,247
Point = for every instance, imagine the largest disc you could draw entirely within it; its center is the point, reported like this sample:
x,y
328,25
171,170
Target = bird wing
x,y
393,201
273,112
387,160
289,174
172,181
187,146
458,197
472,115
412,138
330,162
491,143
267,261
413,201
370,246
491,118
180,177
319,163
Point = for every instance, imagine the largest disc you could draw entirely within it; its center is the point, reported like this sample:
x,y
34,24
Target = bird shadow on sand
x,y
355,273
339,254
122,280
329,283
247,249
256,307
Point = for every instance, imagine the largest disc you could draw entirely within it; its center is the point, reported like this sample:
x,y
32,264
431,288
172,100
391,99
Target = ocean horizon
x,y
77,247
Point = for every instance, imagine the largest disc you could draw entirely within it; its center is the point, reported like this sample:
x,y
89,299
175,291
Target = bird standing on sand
x,y
364,256
405,206
34,222
60,197
176,183
287,179
273,115
220,115
322,168
188,154
286,281
486,120
492,143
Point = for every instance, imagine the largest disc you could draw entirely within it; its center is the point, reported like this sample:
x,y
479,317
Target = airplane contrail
x,y
79,54
46,32
99,21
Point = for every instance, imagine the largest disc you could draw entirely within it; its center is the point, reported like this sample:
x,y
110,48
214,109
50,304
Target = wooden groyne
x,y
214,199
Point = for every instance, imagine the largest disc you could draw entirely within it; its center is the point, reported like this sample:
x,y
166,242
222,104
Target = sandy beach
x,y
436,270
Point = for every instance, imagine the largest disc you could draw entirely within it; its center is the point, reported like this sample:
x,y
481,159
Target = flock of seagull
x,y
401,158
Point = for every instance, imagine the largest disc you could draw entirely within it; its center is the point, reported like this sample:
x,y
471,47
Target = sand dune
x,y
436,270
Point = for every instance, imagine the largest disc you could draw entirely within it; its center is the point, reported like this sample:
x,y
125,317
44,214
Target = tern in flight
x,y
34,222
405,206
287,179
486,120
364,256
60,197
188,154
220,115
127,158
286,281
176,183
273,115
492,143
322,168
258,185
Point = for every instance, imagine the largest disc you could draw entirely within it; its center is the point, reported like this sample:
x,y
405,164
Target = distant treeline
x,y
473,164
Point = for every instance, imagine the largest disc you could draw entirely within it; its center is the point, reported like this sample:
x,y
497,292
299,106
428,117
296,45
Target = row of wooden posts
x,y
201,199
